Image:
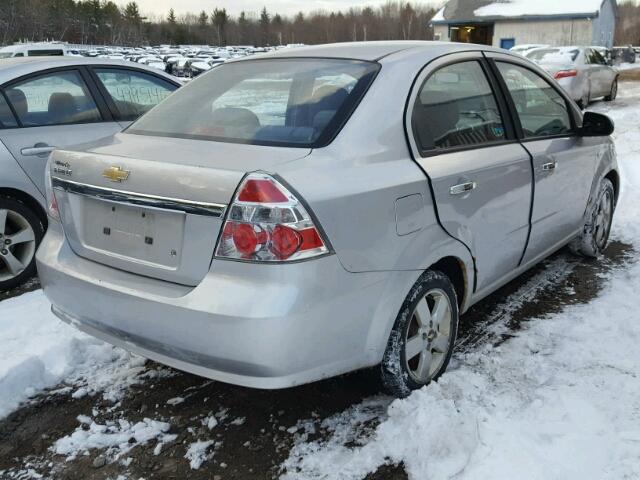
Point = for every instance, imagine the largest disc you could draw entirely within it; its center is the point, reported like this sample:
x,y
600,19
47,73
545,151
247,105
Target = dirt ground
x,y
255,448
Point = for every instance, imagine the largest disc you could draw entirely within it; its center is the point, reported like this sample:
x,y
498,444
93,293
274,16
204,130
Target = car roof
x,y
11,68
374,50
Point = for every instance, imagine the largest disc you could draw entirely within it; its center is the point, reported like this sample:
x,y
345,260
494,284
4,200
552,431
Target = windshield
x,y
285,102
553,55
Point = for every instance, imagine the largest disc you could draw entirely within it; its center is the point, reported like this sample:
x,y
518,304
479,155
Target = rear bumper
x,y
261,326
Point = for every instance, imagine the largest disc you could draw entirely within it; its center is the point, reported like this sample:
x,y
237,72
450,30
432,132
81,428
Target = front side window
x,y
456,108
133,93
542,110
53,99
289,102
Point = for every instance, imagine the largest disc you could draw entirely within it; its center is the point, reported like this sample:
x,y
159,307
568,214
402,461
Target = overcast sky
x,y
286,7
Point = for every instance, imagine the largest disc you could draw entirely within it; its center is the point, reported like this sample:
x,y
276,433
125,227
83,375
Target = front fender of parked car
x,y
606,164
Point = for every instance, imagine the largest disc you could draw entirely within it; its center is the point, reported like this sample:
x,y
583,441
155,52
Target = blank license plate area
x,y
147,235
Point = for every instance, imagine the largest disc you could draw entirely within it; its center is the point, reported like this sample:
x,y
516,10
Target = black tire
x,y
397,376
13,205
595,235
614,92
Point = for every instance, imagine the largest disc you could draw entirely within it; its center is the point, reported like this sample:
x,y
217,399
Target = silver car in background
x,y
582,71
49,102
291,217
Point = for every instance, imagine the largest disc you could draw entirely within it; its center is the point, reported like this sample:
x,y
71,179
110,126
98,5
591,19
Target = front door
x,y
563,163
480,175
54,110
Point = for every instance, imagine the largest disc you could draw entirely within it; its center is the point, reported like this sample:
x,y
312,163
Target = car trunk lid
x,y
154,206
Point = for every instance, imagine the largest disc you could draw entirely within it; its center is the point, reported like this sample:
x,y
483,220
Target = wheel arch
x,y
454,269
28,200
614,177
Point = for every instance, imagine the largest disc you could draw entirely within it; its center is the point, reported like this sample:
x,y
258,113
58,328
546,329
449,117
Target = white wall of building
x,y
551,32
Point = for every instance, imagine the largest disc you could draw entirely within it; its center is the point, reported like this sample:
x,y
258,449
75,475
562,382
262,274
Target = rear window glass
x,y
554,55
288,102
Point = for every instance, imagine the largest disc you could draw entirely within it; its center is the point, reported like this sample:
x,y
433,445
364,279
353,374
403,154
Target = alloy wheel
x,y
428,336
17,244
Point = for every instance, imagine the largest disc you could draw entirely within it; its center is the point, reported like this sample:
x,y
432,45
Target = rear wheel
x,y
20,234
595,235
614,92
421,341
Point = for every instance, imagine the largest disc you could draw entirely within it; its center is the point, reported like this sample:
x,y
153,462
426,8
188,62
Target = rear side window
x,y
7,120
542,110
53,99
133,93
456,108
287,102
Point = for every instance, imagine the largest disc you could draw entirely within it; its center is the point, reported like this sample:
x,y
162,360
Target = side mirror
x,y
596,125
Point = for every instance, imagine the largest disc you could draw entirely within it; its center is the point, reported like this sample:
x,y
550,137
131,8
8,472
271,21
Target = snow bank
x,y
559,401
39,351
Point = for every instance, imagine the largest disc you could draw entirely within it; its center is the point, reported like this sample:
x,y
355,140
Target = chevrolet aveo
x,y
296,216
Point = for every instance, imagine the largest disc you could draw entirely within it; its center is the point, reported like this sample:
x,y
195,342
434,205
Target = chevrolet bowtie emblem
x,y
116,174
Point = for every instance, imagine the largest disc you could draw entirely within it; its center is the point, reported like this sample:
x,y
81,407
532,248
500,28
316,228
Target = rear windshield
x,y
284,102
554,55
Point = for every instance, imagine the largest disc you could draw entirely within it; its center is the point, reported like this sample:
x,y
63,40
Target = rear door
x,y
54,109
130,92
563,163
606,74
480,175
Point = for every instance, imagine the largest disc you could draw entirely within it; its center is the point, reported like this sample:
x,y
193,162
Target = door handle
x,y
549,167
462,188
40,150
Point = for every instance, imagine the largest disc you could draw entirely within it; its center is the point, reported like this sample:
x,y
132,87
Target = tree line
x,y
628,25
103,22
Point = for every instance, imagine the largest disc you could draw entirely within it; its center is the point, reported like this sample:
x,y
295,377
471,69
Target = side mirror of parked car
x,y
596,125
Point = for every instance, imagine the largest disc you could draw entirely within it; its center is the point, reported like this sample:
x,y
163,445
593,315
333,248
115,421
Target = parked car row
x,y
289,218
180,61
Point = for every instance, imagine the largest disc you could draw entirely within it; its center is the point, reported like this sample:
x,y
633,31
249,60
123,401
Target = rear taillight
x,y
52,203
267,223
565,74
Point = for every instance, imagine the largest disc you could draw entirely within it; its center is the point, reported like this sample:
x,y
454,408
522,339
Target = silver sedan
x,y
303,214
583,72
48,102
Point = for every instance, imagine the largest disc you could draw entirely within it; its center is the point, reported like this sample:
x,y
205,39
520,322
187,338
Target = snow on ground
x,y
39,351
561,400
116,438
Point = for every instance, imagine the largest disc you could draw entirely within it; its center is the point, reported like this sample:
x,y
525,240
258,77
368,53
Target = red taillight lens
x,y
285,241
245,238
261,191
52,202
267,223
53,207
565,74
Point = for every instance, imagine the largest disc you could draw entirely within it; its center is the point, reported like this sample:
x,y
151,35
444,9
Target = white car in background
x,y
581,71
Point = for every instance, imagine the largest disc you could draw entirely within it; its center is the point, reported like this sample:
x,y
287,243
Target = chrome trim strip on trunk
x,y
140,199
